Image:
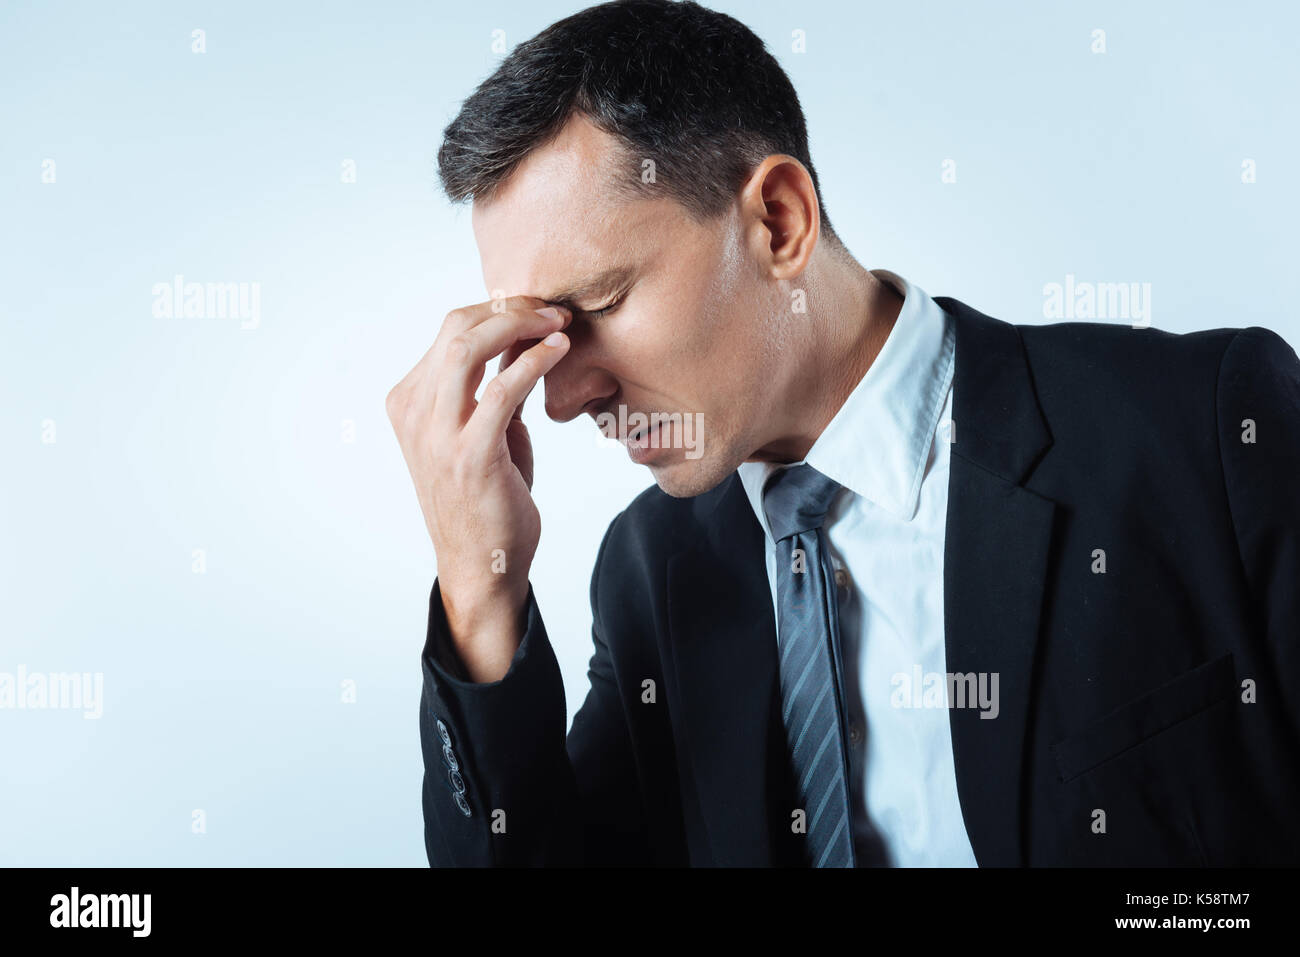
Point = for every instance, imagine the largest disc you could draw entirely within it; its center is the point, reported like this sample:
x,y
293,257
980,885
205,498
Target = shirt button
x,y
841,578
854,733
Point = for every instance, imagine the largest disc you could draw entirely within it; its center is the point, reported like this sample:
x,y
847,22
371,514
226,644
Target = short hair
x,y
692,89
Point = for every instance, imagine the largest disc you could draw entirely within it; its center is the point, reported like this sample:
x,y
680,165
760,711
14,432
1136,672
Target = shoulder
x,y
1116,366
1106,373
1259,361
1100,347
1134,401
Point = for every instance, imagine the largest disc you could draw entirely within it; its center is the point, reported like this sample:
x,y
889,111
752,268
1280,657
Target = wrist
x,y
486,626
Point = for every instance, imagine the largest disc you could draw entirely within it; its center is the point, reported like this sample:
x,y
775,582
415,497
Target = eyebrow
x,y
599,285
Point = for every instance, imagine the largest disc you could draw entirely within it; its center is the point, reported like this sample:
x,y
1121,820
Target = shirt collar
x,y
878,443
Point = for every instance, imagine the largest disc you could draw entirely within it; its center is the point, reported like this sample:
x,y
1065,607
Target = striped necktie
x,y
796,500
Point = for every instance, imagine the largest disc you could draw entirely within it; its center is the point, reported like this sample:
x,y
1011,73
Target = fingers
x,y
466,317
420,384
438,392
513,352
505,393
467,354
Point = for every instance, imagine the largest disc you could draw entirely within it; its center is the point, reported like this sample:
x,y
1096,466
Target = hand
x,y
472,465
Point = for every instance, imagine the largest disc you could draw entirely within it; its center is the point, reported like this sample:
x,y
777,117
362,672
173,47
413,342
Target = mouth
x,y
647,437
641,437
610,431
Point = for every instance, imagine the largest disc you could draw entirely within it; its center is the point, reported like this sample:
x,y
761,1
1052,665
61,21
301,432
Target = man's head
x,y
645,163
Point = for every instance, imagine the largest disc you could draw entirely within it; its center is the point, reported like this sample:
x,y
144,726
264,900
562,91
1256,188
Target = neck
x,y
850,315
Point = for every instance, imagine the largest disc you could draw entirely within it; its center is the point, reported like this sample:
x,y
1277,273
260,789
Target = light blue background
x,y
222,690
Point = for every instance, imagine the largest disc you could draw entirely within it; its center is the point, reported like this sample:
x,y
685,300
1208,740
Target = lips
x,y
641,435
623,427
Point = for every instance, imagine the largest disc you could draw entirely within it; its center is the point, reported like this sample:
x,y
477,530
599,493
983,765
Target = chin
x,y
687,478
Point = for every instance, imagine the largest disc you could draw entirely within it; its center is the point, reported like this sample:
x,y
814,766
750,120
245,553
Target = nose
x,y
574,383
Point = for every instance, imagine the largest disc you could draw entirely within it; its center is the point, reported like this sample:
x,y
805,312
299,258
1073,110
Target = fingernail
x,y
550,312
554,339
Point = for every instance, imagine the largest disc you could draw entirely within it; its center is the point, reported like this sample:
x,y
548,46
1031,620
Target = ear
x,y
782,222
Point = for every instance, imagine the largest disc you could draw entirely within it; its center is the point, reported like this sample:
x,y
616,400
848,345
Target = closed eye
x,y
603,311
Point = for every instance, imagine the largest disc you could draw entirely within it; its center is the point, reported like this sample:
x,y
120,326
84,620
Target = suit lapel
x,y
723,642
995,561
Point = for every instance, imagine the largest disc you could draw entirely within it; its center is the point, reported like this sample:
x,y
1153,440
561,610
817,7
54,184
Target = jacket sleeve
x,y
1259,442
503,786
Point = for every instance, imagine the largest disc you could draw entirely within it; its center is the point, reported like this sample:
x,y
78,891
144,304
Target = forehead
x,y
559,219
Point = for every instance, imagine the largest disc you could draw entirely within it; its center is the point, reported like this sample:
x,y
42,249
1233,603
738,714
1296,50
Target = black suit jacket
x,y
1159,693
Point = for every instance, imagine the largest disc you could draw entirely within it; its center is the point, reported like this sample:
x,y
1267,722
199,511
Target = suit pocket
x,y
1144,717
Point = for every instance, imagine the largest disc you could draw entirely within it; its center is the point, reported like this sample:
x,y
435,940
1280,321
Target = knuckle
x,y
496,392
395,402
530,364
460,348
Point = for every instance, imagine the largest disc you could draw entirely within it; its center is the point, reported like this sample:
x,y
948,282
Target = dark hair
x,y
692,89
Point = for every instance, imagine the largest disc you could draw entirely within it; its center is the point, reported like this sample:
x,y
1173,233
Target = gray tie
x,y
796,501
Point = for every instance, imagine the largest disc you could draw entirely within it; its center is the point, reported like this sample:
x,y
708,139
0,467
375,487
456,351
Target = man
x,y
929,589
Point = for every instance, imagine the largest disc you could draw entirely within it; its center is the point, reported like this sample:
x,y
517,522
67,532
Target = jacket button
x,y
462,803
442,733
457,782
449,756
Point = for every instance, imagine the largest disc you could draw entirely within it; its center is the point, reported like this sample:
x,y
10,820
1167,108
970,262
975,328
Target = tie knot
x,y
797,499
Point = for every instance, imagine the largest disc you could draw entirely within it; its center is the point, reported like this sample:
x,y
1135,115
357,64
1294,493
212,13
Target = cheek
x,y
664,331
694,336
658,349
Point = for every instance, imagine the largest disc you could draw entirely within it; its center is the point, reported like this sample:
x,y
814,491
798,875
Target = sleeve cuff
x,y
440,655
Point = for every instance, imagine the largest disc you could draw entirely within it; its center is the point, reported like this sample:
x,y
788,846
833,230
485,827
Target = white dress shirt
x,y
888,446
